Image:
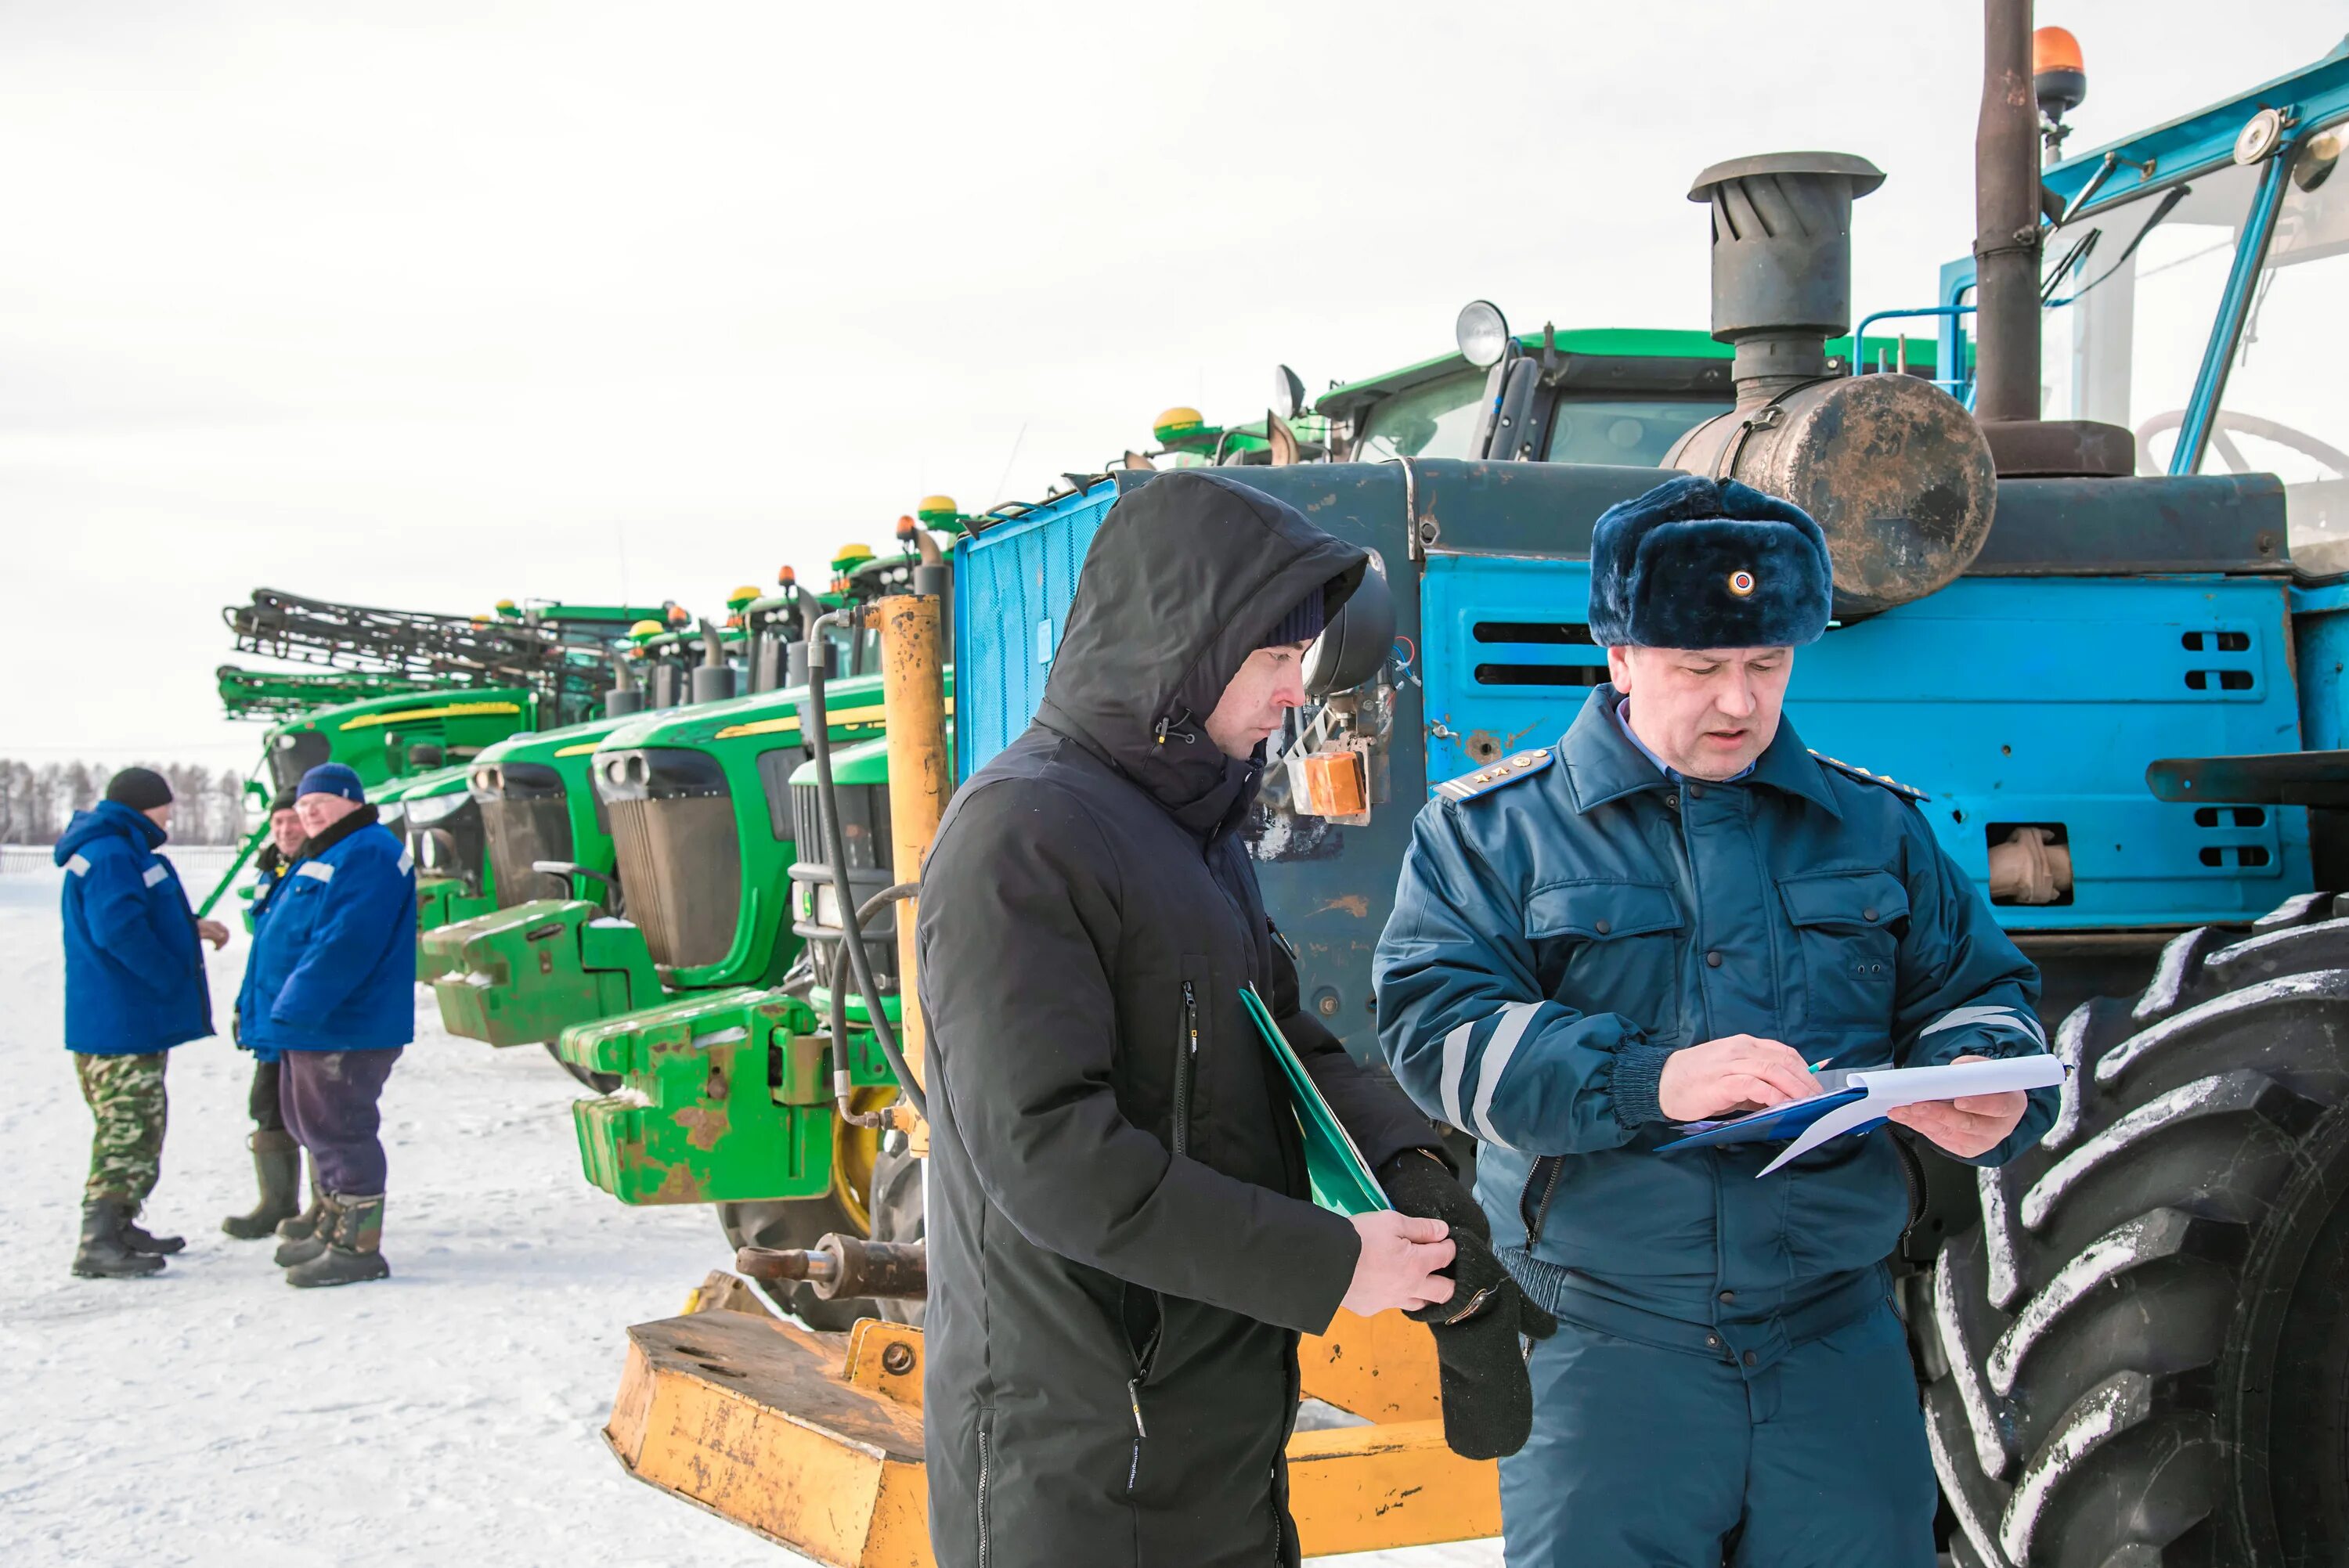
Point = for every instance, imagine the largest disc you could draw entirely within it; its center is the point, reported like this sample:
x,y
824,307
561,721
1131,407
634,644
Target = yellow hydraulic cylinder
x,y
913,700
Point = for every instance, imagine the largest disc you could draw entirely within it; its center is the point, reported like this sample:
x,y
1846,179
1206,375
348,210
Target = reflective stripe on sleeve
x,y
1455,1064
1987,1017
1515,1018
154,874
77,866
318,869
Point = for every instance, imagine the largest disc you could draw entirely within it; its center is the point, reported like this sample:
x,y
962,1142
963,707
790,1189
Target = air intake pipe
x,y
1893,469
713,677
626,696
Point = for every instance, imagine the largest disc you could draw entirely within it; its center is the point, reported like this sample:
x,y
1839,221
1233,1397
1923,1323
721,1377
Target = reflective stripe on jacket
x,y
135,978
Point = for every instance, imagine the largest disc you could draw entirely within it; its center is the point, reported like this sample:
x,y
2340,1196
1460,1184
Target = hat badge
x,y
1741,583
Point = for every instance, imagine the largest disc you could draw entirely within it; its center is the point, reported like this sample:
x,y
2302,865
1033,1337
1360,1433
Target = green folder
x,y
1342,1183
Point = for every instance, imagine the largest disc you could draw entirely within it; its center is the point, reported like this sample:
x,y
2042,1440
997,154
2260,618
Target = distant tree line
x,y
37,800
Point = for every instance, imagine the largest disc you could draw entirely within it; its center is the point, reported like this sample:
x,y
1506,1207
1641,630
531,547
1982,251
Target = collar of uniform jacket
x,y
342,828
1602,764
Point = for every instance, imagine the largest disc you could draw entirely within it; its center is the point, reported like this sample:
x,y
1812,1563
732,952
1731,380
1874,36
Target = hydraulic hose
x,y
817,727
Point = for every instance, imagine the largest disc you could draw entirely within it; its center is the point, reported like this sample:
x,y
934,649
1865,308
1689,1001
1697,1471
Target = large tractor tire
x,y
796,1223
2141,1357
601,1083
897,1216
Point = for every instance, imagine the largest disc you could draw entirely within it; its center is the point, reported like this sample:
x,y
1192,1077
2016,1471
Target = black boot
x,y
139,1241
103,1253
354,1255
277,1166
313,1242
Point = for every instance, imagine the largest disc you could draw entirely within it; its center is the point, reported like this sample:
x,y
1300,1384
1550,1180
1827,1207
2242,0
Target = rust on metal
x,y
1893,469
912,700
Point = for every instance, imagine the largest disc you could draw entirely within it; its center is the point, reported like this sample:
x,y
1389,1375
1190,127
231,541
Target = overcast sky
x,y
424,304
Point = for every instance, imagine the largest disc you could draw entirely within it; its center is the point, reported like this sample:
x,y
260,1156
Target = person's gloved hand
x,y
1488,1401
1419,1184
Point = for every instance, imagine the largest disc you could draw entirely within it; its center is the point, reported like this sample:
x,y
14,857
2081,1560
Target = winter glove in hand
x,y
1488,1400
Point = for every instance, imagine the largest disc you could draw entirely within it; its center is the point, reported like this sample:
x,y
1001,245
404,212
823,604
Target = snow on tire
x,y
2144,1356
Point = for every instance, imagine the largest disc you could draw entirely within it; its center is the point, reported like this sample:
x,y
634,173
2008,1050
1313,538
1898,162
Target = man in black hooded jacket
x,y
1123,1252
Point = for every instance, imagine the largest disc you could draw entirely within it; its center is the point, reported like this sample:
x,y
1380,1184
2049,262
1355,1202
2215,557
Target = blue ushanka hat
x,y
1705,563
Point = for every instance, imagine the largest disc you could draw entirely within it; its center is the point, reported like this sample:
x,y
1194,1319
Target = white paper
x,y
1888,1087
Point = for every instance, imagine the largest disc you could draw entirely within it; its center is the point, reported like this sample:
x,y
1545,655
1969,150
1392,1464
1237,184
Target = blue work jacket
x,y
135,979
269,875
333,965
1567,919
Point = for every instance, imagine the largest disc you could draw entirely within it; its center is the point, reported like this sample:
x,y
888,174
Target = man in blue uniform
x,y
276,1156
330,987
135,987
1676,913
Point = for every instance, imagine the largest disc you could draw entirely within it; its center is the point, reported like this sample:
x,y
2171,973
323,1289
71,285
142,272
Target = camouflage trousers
x,y
126,1095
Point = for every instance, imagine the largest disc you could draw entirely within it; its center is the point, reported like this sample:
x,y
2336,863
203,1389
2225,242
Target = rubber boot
x,y
277,1166
136,1239
102,1253
354,1255
302,1249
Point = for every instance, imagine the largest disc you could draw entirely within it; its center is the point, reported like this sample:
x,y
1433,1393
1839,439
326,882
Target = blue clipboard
x,y
1342,1181
1777,1122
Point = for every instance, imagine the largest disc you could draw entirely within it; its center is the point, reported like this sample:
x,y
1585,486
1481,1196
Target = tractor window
x,y
2286,411
1626,431
2131,296
1436,420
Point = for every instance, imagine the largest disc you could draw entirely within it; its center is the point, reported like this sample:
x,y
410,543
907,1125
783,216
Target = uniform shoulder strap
x,y
1852,771
1495,775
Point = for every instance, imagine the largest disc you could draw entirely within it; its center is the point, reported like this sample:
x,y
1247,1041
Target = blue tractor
x,y
2089,562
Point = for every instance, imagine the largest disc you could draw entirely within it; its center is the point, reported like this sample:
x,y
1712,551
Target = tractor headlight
x,y
1482,333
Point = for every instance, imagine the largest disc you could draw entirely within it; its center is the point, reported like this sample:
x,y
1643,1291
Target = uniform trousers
x,y
125,1096
330,1099
261,1101
1648,1458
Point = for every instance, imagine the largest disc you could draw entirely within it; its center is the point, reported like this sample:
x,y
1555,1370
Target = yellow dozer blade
x,y
815,1441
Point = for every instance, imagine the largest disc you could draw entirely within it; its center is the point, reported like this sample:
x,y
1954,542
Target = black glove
x,y
1488,1400
236,1027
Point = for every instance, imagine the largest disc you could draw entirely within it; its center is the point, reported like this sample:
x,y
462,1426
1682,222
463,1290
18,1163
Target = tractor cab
x,y
2187,297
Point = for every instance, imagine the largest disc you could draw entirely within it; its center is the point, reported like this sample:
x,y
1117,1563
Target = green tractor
x,y
673,946
406,700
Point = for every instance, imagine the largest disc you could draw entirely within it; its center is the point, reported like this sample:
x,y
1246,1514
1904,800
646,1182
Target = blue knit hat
x,y
332,778
1302,624
1705,563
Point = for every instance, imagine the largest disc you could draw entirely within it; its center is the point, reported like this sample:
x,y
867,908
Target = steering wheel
x,y
2300,441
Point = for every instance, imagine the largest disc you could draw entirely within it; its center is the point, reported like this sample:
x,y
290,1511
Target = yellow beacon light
x,y
1176,423
644,629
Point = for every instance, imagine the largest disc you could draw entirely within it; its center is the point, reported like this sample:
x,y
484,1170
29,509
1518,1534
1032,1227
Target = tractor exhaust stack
x,y
2007,245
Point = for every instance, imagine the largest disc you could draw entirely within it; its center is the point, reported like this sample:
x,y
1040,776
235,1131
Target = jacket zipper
x,y
982,1496
1186,1059
1141,1365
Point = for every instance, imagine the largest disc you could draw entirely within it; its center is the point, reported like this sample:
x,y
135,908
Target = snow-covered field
x,y
212,1415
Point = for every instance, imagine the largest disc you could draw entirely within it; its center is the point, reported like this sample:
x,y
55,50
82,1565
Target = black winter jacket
x,y
1122,1248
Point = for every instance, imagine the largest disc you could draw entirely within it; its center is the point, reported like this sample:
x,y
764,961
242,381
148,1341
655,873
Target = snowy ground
x,y
212,1415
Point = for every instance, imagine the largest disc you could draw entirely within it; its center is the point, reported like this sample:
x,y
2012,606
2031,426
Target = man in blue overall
x,y
277,1156
1676,913
330,987
135,987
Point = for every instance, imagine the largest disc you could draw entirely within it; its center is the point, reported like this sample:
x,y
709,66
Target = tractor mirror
x,y
1357,641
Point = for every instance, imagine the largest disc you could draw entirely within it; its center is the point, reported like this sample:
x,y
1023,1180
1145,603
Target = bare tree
x,y
37,801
